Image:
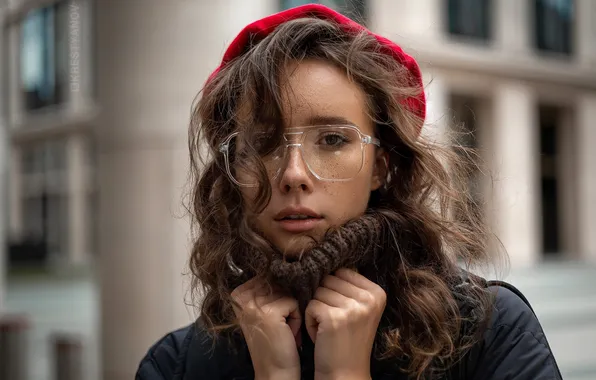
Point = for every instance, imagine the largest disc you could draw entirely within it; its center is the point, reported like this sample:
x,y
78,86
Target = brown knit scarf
x,y
356,245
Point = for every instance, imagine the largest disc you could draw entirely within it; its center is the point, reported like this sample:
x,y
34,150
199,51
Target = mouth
x,y
298,220
298,217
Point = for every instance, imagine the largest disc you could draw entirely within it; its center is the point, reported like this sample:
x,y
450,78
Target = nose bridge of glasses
x,y
293,159
293,137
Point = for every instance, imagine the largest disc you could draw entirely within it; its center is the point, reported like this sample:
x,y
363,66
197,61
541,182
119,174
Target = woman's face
x,y
317,93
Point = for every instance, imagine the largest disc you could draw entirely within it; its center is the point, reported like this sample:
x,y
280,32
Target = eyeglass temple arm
x,y
371,140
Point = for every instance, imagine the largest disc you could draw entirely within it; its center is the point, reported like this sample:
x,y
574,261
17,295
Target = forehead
x,y
316,92
311,92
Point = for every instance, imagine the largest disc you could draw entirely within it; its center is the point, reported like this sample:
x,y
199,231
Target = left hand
x,y
342,320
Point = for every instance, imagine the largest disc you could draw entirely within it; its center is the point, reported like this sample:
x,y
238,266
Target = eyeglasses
x,y
330,152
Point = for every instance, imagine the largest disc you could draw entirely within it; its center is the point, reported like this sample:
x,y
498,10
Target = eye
x,y
334,139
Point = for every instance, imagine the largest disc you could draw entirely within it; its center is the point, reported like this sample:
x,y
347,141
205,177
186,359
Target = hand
x,y
342,320
270,322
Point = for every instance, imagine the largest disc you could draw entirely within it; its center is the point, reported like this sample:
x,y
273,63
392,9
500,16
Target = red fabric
x,y
261,28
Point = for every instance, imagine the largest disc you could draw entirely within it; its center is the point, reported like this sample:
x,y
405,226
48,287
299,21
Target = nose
x,y
295,175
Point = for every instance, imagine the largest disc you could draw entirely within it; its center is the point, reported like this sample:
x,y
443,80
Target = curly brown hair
x,y
431,318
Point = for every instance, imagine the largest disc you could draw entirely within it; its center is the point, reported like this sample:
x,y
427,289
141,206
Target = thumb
x,y
294,321
311,317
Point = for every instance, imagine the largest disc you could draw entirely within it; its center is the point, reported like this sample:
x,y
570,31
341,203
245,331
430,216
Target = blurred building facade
x,y
96,99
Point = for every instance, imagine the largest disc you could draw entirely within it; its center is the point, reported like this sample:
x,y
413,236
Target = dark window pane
x,y
354,9
554,25
469,18
44,56
55,154
49,155
33,159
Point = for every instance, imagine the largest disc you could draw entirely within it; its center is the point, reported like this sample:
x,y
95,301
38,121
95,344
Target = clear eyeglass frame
x,y
300,131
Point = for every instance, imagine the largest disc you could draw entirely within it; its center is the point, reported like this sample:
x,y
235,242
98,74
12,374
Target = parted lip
x,y
296,210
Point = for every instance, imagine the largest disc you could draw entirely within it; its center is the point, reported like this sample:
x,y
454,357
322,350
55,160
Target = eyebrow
x,y
327,120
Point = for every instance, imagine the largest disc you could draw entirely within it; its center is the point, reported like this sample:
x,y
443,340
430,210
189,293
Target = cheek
x,y
349,199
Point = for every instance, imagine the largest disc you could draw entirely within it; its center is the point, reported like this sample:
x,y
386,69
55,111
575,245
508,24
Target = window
x,y
354,9
45,201
469,18
44,56
466,129
553,25
46,156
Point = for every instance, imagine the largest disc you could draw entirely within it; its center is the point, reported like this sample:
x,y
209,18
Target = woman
x,y
330,231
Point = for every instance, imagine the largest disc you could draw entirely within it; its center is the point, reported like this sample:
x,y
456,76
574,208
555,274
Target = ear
x,y
380,169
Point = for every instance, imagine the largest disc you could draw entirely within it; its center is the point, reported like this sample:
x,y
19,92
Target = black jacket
x,y
513,347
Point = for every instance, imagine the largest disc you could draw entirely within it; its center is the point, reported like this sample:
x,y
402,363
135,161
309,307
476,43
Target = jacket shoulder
x,y
514,345
165,358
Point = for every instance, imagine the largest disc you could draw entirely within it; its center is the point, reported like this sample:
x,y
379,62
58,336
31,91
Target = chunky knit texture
x,y
353,245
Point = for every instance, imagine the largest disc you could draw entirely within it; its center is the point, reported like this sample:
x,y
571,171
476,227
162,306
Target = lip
x,y
298,225
297,210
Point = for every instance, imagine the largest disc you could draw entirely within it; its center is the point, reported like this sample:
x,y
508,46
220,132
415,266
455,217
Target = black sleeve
x,y
163,359
514,347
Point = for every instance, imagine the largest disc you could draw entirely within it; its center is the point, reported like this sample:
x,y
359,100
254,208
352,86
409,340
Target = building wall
x,y
482,70
142,129
510,75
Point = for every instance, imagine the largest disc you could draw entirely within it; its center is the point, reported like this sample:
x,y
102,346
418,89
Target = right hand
x,y
270,322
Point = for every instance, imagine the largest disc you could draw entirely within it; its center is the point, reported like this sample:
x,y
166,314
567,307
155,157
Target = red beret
x,y
261,28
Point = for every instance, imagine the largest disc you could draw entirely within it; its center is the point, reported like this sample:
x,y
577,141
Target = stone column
x,y
567,177
403,20
511,25
585,33
15,183
586,175
438,115
152,59
516,170
78,229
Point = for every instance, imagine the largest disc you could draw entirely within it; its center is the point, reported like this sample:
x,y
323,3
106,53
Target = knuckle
x,y
354,306
266,311
339,318
360,312
235,295
250,308
367,298
380,296
334,323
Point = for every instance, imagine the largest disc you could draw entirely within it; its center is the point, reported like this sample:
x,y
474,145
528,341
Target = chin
x,y
294,247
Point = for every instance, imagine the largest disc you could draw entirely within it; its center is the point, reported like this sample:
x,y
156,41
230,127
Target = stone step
x,y
575,350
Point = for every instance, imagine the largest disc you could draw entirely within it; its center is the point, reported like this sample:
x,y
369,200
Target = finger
x,y
315,312
264,289
354,278
361,288
288,310
267,299
341,286
245,291
267,293
331,297
284,307
295,322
